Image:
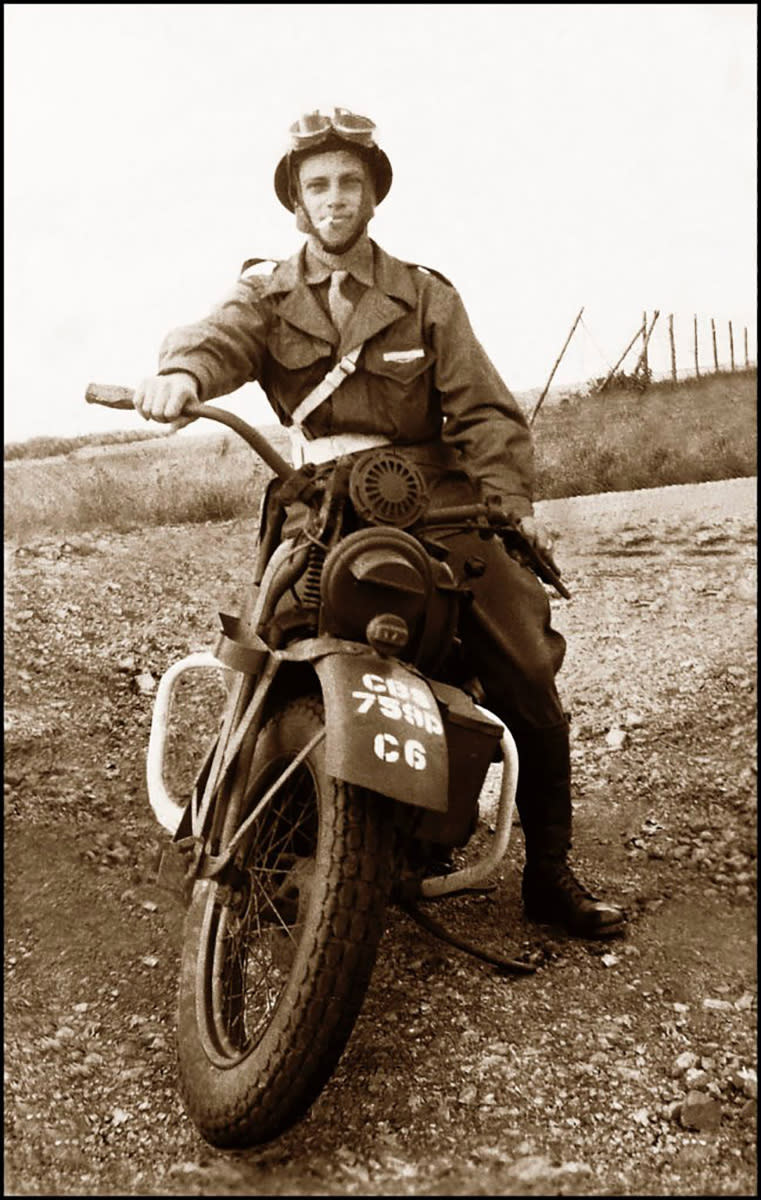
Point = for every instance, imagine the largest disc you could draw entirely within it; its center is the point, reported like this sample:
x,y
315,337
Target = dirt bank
x,y
620,1069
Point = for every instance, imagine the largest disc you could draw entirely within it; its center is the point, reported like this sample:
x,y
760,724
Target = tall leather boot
x,y
551,892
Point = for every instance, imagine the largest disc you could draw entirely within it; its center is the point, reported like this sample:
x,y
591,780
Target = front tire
x,y
274,970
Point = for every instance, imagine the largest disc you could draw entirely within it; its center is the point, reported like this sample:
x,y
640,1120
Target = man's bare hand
x,y
537,534
163,397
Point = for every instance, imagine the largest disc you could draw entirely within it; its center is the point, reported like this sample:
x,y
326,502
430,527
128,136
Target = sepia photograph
x,y
380,599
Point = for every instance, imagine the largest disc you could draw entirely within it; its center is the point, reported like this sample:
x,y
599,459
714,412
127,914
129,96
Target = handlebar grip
x,y
550,574
109,394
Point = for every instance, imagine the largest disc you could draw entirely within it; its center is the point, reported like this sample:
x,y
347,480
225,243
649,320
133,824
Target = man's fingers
x,y
180,423
179,396
138,401
147,400
536,533
163,398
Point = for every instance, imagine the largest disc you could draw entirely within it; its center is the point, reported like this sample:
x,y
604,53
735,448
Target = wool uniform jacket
x,y
422,378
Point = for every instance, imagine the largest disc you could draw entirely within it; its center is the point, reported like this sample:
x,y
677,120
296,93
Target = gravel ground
x,y
625,1068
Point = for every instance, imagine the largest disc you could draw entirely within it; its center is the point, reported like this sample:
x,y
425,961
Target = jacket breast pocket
x,y
401,364
295,350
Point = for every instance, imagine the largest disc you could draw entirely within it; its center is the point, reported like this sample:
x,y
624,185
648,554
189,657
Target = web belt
x,y
320,450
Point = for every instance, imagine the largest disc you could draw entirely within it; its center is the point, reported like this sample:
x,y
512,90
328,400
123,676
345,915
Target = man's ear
x,y
369,199
303,224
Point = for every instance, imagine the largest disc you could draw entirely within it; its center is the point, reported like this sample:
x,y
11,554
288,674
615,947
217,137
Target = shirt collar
x,y
358,261
392,277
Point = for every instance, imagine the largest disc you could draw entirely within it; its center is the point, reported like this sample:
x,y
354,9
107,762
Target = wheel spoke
x,y
285,927
254,947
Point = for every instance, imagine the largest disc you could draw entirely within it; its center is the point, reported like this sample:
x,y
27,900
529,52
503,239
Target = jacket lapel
x,y
394,277
374,311
391,297
299,305
301,308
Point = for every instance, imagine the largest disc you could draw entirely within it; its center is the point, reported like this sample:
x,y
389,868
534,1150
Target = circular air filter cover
x,y
387,489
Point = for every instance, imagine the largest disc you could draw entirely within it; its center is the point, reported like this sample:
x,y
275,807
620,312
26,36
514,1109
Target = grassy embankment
x,y
703,429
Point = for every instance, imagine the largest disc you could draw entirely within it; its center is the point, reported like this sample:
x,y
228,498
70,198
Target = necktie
x,y
340,306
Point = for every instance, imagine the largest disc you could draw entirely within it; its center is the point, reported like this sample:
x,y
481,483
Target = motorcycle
x,y
350,756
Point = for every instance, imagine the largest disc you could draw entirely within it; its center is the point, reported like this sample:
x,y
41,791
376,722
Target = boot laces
x,y
560,875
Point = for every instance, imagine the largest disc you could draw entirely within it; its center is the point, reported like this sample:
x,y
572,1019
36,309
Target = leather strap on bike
x,y
239,650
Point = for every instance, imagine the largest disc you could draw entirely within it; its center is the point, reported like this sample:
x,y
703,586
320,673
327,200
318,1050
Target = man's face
x,y
336,195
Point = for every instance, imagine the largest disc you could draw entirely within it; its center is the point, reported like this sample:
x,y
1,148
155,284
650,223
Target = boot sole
x,y
595,935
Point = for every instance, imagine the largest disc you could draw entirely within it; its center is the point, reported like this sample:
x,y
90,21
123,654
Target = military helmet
x,y
316,132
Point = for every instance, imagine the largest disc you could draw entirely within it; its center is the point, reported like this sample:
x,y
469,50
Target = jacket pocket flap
x,y
398,362
294,349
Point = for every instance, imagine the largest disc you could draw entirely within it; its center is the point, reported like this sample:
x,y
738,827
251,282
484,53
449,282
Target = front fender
x,y
384,730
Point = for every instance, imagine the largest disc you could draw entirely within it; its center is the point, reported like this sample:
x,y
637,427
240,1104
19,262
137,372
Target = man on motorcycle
x,y
411,374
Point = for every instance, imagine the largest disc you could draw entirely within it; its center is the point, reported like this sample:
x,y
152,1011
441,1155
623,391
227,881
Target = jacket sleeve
x,y
482,418
225,350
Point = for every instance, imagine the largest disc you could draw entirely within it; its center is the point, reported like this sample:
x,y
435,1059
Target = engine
x,y
379,585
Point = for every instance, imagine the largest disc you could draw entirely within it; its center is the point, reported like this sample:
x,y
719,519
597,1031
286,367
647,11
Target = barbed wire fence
x,y
723,355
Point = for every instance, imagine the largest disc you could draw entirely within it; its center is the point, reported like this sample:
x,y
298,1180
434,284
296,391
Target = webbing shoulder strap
x,y
327,386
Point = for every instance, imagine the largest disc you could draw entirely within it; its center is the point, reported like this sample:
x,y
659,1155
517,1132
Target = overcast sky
x,y
545,157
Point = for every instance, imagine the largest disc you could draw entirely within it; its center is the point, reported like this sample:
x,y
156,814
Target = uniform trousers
x,y
509,641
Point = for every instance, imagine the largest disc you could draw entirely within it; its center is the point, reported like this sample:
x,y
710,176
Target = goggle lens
x,y
313,127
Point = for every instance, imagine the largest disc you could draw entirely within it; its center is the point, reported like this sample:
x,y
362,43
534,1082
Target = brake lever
x,y
543,564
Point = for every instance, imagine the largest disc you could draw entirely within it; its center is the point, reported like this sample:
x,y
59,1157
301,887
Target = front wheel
x,y
275,968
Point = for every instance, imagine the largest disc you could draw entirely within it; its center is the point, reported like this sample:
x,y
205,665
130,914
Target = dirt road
x,y
618,1069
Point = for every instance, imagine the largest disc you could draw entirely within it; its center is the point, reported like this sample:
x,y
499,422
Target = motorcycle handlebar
x,y
494,519
113,396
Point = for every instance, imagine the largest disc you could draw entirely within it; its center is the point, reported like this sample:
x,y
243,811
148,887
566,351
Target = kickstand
x,y
505,966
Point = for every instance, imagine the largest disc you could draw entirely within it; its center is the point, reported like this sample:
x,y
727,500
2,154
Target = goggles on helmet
x,y
315,127
341,129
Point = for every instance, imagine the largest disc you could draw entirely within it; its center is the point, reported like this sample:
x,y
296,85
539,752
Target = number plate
x,y
384,729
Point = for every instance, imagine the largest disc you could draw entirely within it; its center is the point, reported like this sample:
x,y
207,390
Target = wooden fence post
x,y
645,340
554,369
642,360
614,368
673,351
713,335
745,342
695,327
731,348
